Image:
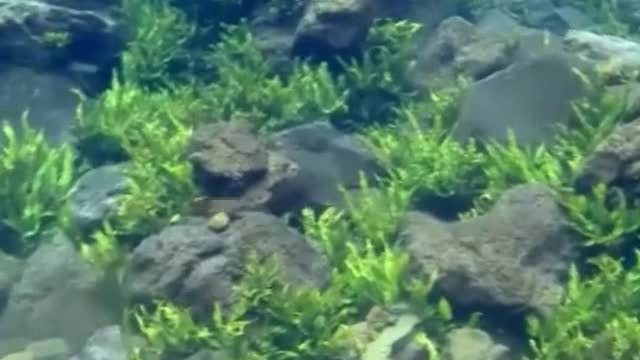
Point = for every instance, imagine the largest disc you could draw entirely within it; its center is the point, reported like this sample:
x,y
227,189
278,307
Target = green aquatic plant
x,y
160,184
379,82
105,252
285,322
247,87
603,216
157,42
423,155
597,318
36,180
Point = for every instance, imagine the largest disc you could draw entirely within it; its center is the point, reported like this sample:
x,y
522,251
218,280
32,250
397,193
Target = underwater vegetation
x,y
156,100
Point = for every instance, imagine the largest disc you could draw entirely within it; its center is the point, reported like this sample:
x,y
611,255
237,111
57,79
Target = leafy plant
x,y
597,318
378,82
246,87
105,252
424,157
160,33
268,320
602,216
36,179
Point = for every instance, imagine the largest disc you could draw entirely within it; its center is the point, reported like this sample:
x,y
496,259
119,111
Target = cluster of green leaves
x,y
598,318
420,152
379,82
247,87
36,181
146,117
157,42
268,320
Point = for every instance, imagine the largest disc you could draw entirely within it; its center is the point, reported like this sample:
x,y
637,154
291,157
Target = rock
x,y
237,172
69,300
227,158
542,14
513,258
620,58
486,56
331,27
391,336
188,264
95,196
44,35
327,159
12,345
473,344
531,97
47,97
49,349
10,271
614,160
219,221
104,344
23,355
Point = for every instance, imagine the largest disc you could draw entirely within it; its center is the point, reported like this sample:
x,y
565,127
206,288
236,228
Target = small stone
x,y
219,221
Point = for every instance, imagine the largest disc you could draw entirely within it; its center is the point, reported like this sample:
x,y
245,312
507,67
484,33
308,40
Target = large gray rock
x,y
191,265
59,296
91,36
513,258
327,159
531,98
334,26
96,196
236,171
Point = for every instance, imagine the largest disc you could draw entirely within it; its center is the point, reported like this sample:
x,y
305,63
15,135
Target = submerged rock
x,y
191,265
513,258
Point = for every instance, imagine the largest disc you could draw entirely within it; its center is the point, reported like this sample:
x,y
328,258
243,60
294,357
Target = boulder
x,y
191,265
514,258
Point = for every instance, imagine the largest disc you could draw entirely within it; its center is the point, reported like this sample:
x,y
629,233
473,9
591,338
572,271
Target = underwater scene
x,y
320,180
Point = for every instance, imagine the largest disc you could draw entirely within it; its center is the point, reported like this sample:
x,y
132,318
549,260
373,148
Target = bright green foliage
x,y
426,158
594,117
378,82
375,277
247,88
375,213
122,110
160,33
36,179
268,320
510,164
105,252
153,129
603,216
329,229
160,178
597,319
